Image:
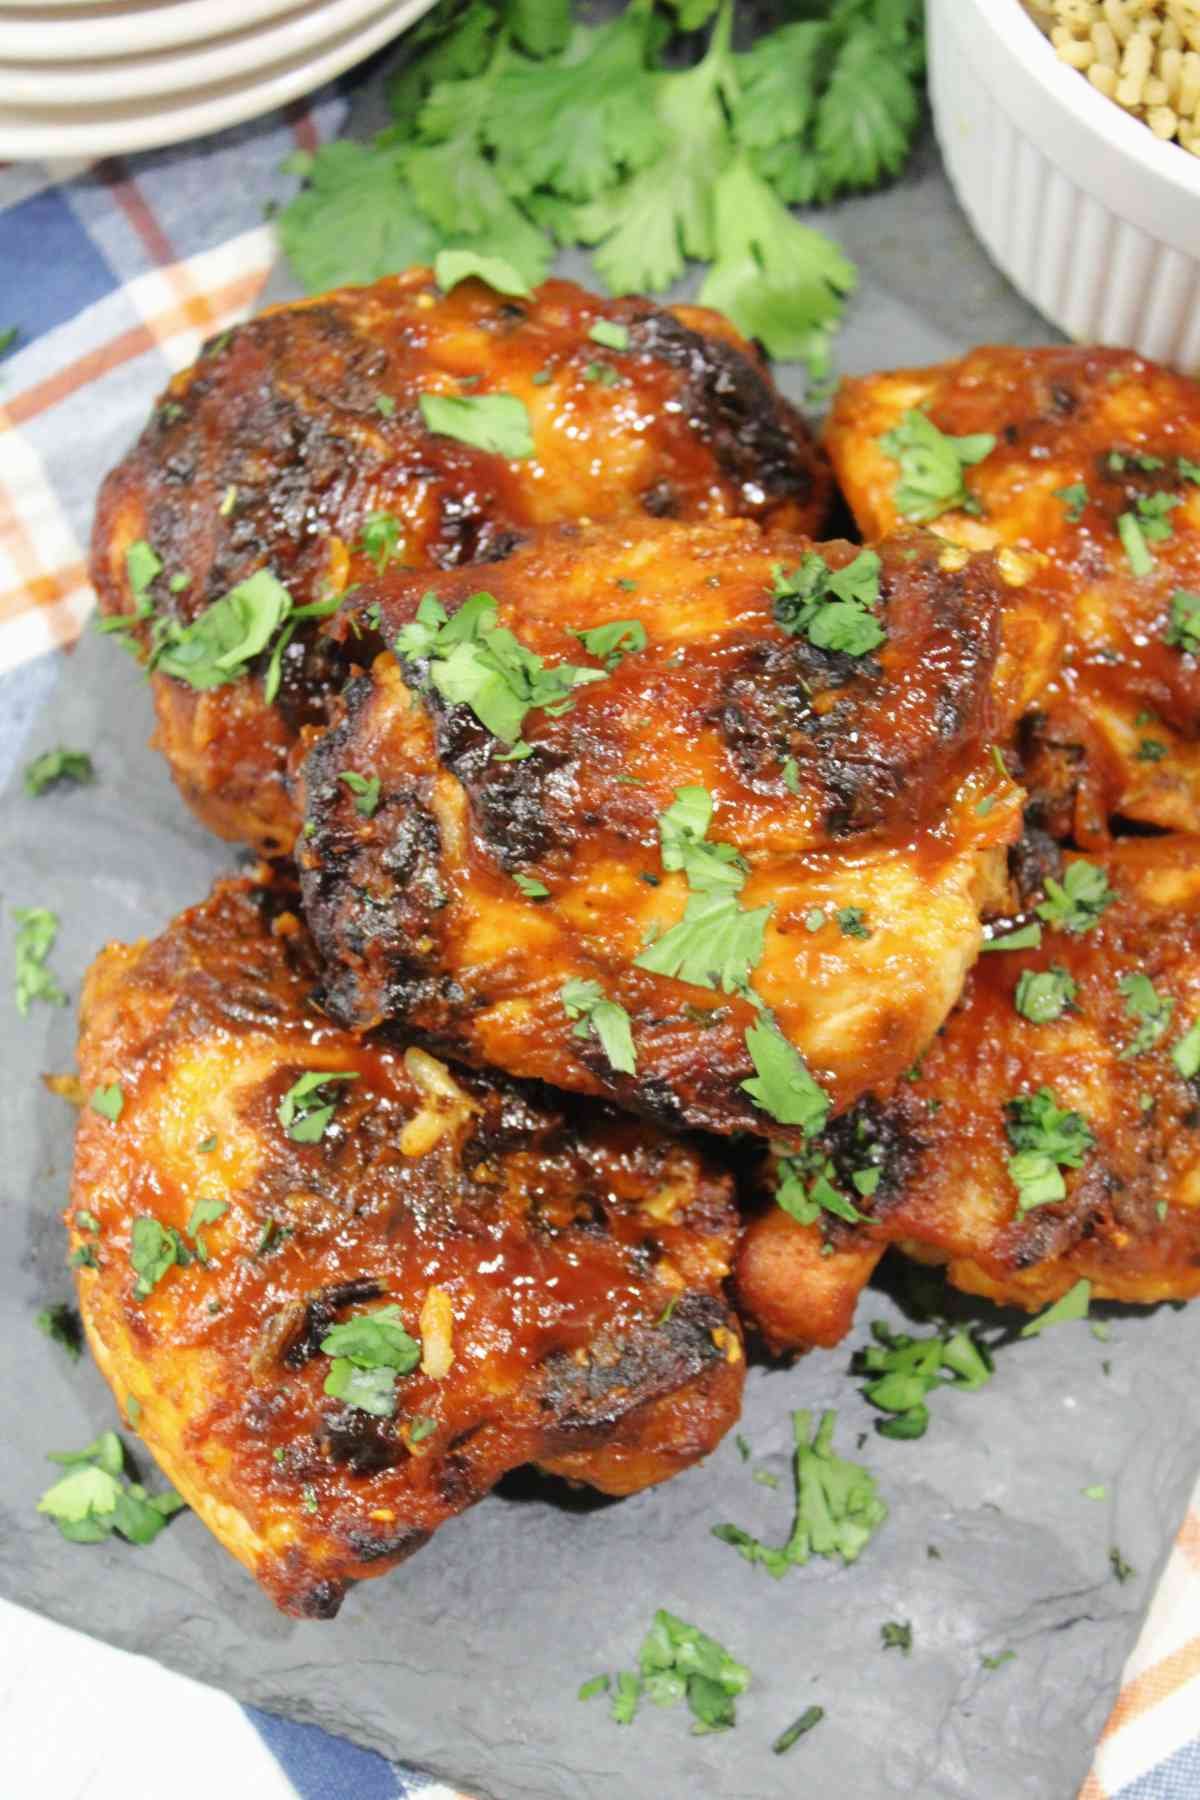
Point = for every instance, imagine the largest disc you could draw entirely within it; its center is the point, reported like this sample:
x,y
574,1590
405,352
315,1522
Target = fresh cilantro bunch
x,y
518,128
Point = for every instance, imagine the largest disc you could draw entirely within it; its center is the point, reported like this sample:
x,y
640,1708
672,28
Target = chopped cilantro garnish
x,y
717,943
931,467
1074,498
1077,902
109,1102
613,642
365,790
498,423
791,775
208,1144
610,333
55,766
805,1188
678,1662
143,567
368,1353
1121,1569
475,662
1073,1305
1044,995
1186,1053
782,1085
420,1428
1151,750
896,1634
96,1498
837,1511
385,406
153,1249
587,1002
812,1715
1096,1492
452,266
852,922
306,1109
380,539
204,1212
833,608
1046,1138
998,1661
531,887
1026,937
61,1324
37,929
1133,540
1152,1009
1183,631
905,1370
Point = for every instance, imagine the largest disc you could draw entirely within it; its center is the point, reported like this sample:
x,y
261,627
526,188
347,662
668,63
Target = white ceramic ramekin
x,y
1094,219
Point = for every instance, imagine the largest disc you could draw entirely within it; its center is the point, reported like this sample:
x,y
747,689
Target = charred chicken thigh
x,y
396,424
675,815
347,1288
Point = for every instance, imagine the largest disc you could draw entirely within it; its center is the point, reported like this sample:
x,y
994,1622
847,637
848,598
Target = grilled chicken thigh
x,y
300,444
348,1289
644,822
1083,1052
1096,466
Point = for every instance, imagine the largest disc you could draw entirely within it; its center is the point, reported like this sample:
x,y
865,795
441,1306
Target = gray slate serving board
x,y
466,1662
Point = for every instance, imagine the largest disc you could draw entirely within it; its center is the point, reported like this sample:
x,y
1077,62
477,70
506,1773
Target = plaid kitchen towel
x,y
114,275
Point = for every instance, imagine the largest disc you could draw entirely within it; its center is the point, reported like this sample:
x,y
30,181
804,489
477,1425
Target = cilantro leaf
x,y
931,466
1045,1138
716,944
1026,937
778,79
95,1498
1044,995
1183,631
782,1085
368,1353
838,1509
55,766
531,887
905,1370
896,1635
1186,1053
1075,499
356,220
677,1661
778,280
153,1249
495,422
539,26
587,1002
365,790
37,929
109,1102
380,539
1133,542
1073,1305
832,608
475,662
306,1109
1152,1009
613,642
812,1715
867,116
204,1212
62,1325
452,266
805,1188
1077,902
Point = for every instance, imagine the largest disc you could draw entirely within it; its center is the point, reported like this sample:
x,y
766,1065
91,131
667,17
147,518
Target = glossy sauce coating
x,y
1130,1222
290,431
1060,417
576,1263
844,782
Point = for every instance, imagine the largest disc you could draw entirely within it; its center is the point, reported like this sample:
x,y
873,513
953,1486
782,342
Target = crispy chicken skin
x,y
1085,421
290,431
570,1265
845,782
1130,1222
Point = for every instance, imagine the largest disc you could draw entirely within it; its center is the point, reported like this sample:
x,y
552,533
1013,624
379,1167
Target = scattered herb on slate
x,y
897,1635
95,1497
998,1661
905,1370
37,928
837,1507
54,768
1073,1305
61,1324
677,1662
1121,1569
812,1715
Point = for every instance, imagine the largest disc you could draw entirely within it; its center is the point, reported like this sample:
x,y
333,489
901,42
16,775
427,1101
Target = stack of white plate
x,y
83,78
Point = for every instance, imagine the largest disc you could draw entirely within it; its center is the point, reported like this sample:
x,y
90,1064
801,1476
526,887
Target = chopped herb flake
x,y
931,467
37,928
833,608
587,1002
1078,901
498,423
1073,1305
837,1511
53,767
306,1109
